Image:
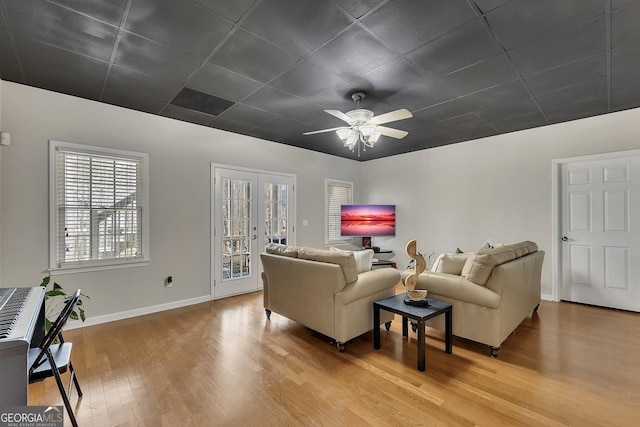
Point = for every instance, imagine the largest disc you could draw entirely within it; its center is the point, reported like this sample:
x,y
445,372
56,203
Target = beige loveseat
x,y
323,290
492,291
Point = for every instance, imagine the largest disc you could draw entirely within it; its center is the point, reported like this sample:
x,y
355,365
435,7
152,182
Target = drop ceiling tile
x,y
457,49
582,110
182,25
247,115
287,128
525,121
625,100
425,94
340,99
6,50
523,21
496,96
253,57
273,100
616,4
357,8
34,54
625,58
220,82
313,22
312,114
56,25
127,100
230,125
306,80
578,42
393,77
465,134
509,109
488,5
124,80
466,121
186,115
9,71
202,102
62,82
352,54
416,21
442,111
423,132
625,25
232,10
573,95
109,11
577,72
626,82
482,75
154,59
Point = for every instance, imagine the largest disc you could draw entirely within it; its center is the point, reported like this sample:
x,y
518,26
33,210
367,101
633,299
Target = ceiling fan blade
x,y
393,133
322,131
392,116
339,114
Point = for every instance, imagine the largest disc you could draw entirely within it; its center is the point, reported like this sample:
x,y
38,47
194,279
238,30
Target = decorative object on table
x,y
415,297
55,299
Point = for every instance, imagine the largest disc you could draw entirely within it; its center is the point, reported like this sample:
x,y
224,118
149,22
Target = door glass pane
x,y
236,228
275,213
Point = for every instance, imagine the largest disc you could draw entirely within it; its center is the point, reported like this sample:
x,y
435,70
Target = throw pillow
x,y
451,263
364,259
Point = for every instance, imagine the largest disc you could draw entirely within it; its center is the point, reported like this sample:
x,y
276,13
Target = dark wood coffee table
x,y
395,304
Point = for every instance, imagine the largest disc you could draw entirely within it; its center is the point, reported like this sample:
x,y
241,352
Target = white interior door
x,y
601,233
250,209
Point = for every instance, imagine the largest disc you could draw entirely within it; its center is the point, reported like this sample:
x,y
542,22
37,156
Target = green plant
x,y
54,299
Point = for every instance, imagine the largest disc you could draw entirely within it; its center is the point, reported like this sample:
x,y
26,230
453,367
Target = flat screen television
x,y
368,220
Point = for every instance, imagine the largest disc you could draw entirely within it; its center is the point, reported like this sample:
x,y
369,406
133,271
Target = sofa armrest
x,y
368,283
456,287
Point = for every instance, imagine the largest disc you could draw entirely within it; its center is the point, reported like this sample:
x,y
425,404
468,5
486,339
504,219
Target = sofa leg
x,y
494,351
535,310
341,346
268,313
387,325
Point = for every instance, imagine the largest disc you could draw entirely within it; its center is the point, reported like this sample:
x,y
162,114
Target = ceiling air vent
x,y
200,101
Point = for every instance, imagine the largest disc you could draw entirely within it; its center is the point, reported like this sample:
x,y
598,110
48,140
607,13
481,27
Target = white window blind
x,y
99,213
337,193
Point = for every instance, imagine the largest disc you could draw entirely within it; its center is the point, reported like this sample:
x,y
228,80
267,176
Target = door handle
x,y
565,238
254,237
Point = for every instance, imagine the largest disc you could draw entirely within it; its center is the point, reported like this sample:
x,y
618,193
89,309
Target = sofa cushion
x,y
479,265
283,250
346,260
450,263
364,258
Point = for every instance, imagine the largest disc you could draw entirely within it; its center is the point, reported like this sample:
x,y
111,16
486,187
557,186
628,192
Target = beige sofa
x,y
324,290
492,291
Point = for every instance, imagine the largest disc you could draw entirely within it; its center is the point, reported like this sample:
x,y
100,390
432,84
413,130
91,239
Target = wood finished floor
x,y
222,363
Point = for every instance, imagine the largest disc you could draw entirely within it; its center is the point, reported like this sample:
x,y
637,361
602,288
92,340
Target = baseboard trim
x,y
97,320
546,297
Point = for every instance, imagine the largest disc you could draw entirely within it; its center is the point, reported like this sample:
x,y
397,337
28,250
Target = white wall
x,y
498,187
180,155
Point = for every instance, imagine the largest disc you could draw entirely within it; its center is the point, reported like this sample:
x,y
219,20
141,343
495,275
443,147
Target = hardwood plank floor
x,y
223,363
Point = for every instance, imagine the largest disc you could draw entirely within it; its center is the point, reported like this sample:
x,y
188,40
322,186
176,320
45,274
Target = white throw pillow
x,y
364,259
450,263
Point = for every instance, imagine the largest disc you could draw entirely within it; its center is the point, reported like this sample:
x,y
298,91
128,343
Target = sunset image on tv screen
x,y
368,220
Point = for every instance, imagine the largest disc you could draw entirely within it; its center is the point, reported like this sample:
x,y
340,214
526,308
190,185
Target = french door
x,y
601,232
250,209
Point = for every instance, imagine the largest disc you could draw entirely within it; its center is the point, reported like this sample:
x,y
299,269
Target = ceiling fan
x,y
364,127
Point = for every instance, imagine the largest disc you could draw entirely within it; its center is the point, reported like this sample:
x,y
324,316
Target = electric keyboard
x,y
21,327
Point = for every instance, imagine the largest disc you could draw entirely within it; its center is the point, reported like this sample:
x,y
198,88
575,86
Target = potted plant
x,y
55,299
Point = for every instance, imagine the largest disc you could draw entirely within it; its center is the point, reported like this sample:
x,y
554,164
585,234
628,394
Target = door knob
x,y
254,237
565,238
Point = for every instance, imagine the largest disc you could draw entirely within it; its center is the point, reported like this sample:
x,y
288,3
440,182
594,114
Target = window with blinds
x,y
99,213
337,193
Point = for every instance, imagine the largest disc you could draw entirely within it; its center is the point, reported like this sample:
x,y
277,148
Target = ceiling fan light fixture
x,y
360,115
366,131
374,138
